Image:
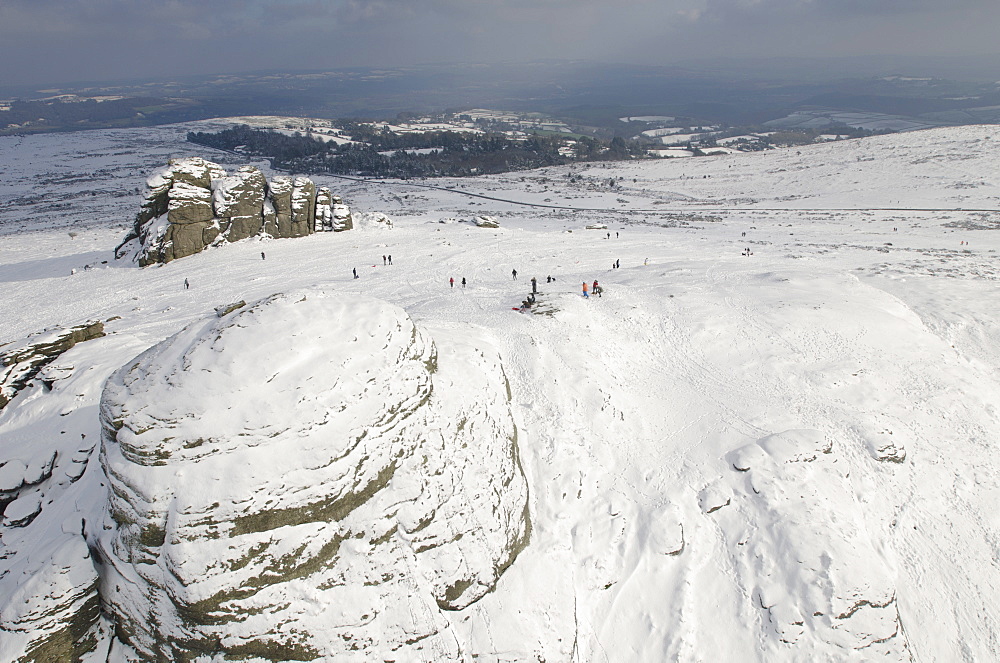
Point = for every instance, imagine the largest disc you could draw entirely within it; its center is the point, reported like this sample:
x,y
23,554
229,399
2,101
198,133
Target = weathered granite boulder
x,y
195,171
342,219
193,203
324,214
303,201
306,477
189,204
484,221
280,196
238,203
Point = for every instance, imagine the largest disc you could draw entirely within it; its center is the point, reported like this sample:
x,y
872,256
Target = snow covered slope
x,y
283,476
781,454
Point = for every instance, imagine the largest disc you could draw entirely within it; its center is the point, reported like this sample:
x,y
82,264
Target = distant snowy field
x,y
784,456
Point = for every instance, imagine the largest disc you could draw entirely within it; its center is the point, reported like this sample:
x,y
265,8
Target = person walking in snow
x,y
383,260
513,273
463,281
186,284
262,256
451,282
534,285
390,259
585,290
597,289
355,272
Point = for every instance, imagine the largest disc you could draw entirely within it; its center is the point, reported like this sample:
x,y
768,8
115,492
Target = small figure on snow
x,y
513,273
463,281
186,284
534,285
383,260
262,256
355,272
585,290
597,289
451,282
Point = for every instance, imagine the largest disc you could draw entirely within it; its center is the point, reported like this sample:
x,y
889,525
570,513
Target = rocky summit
x,y
282,475
193,203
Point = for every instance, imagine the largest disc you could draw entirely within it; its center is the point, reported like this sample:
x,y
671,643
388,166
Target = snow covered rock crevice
x,y
306,477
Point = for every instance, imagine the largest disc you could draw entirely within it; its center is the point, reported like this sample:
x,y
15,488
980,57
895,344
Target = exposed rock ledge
x,y
305,478
192,204
21,364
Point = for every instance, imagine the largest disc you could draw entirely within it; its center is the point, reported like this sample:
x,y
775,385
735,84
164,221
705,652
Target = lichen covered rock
x,y
306,477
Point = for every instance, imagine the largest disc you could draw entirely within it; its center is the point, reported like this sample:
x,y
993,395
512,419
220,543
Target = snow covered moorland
x,y
773,437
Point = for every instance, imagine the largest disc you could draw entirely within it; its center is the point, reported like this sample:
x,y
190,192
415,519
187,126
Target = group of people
x,y
451,281
386,260
596,289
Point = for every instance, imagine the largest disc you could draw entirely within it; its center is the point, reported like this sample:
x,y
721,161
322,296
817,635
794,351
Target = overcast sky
x,y
51,41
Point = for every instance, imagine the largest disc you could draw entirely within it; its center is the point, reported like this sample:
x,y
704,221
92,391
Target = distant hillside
x,y
589,94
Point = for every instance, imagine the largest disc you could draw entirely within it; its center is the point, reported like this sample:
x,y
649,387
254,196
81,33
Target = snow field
x,y
783,456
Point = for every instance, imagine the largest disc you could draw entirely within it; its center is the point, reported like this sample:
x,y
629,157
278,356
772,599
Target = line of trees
x,y
376,152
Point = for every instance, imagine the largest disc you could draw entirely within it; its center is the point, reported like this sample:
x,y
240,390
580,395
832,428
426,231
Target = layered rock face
x,y
49,603
193,203
306,478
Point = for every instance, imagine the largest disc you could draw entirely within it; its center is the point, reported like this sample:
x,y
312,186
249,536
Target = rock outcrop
x,y
21,364
49,602
306,477
54,604
342,219
192,203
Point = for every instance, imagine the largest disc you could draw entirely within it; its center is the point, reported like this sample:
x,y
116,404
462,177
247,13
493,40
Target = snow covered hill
x,y
773,437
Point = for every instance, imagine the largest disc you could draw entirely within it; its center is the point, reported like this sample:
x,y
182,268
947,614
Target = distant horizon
x,y
970,68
